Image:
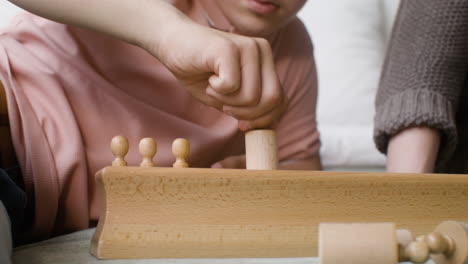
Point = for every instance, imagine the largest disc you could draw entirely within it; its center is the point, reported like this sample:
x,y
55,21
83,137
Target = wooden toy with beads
x,y
181,212
367,243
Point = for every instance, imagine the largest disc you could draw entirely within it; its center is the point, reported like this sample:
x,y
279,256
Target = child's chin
x,y
256,29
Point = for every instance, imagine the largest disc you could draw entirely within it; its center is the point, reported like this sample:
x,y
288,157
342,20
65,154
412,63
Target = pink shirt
x,y
70,91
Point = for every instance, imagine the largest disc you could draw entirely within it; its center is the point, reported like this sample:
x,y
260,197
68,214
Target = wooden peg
x,y
358,243
180,150
261,150
451,240
440,244
417,251
119,147
412,250
148,148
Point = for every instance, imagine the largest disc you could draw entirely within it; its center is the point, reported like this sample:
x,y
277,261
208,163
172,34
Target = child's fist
x,y
232,73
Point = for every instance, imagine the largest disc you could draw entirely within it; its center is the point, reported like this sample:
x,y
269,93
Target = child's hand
x,y
232,73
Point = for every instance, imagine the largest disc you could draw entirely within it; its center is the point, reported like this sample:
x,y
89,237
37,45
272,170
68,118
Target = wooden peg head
x,y
440,244
119,147
180,150
404,238
148,149
417,251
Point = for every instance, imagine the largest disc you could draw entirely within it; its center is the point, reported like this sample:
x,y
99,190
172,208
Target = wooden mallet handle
x,y
261,150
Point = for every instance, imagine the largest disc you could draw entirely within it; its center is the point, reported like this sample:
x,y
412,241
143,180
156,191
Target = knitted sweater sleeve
x,y
424,72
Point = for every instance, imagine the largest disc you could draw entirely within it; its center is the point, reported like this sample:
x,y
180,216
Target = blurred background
x,y
350,39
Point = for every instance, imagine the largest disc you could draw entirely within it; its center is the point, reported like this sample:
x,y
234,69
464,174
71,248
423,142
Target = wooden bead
x,y
404,238
417,252
119,147
148,149
180,150
439,244
456,236
261,150
358,243
421,238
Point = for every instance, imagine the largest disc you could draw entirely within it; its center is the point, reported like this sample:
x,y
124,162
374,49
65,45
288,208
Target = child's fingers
x,y
226,65
271,99
272,93
207,100
251,84
267,120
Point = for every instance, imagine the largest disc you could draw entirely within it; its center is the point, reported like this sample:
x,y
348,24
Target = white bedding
x,y
349,147
7,11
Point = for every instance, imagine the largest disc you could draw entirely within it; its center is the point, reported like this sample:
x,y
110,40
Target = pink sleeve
x,y
297,133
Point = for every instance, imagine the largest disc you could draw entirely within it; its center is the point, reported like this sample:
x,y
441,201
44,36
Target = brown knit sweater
x,y
425,78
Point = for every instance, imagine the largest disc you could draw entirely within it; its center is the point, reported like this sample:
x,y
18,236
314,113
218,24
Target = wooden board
x,y
220,213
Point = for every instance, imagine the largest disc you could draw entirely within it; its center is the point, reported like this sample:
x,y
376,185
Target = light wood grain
x,y
358,243
181,151
119,147
220,213
261,152
148,148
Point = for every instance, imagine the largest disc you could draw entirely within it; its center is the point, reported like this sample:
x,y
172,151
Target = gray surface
x,y
74,249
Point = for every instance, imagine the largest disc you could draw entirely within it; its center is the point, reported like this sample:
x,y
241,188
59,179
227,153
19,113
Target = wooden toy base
x,y
216,213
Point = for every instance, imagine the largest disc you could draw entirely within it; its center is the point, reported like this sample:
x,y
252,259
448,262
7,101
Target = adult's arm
x,y
420,157
424,72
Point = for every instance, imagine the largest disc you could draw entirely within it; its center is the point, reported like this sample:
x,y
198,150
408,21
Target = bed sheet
x,y
74,249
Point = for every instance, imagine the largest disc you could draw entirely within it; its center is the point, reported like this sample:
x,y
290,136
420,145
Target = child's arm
x,y
413,150
238,71
131,21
